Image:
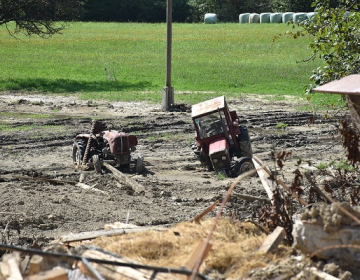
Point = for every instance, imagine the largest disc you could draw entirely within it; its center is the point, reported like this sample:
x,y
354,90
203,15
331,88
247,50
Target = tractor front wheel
x,y
139,165
243,165
78,151
97,164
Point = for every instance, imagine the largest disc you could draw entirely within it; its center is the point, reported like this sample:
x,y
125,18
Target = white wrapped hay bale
x,y
244,18
299,17
288,16
210,18
254,18
276,17
264,17
310,15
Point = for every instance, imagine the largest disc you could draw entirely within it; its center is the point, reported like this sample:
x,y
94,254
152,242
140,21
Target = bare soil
x,y
33,210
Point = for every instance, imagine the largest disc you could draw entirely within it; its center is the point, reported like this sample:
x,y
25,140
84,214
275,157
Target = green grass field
x,y
127,61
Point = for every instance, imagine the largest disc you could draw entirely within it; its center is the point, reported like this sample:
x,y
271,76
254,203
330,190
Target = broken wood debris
x,y
110,265
198,218
273,240
94,234
44,179
90,188
138,189
257,161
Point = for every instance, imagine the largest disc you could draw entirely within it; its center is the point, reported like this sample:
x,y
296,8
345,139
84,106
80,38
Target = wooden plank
x,y
197,256
267,184
95,234
273,240
87,187
58,273
117,225
36,264
281,183
138,189
314,273
9,267
198,218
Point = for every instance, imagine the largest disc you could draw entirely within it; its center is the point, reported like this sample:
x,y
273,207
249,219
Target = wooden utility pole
x,y
168,92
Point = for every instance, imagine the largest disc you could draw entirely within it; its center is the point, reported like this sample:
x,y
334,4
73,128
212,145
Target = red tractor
x,y
105,145
221,143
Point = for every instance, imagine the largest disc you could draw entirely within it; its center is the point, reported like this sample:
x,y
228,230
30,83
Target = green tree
x,y
336,39
39,17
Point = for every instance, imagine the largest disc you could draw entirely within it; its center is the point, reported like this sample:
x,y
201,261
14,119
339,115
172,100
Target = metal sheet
x,y
208,106
349,85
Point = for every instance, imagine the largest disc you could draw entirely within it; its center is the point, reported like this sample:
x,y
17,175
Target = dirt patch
x,y
39,145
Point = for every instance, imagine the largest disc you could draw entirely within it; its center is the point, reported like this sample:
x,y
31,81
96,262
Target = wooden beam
x,y
138,189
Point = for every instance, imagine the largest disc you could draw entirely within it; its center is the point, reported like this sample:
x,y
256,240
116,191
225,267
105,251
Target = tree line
x,y
185,10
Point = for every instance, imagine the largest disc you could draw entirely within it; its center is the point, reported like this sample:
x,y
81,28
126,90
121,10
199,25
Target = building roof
x,y
349,85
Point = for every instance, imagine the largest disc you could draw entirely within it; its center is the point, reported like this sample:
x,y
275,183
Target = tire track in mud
x,y
179,188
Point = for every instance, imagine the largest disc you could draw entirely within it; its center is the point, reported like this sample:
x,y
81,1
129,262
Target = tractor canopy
x,y
211,117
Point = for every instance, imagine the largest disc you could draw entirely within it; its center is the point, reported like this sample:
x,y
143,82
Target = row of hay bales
x,y
265,17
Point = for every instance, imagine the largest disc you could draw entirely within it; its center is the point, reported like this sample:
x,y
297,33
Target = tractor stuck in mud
x,y
221,144
102,145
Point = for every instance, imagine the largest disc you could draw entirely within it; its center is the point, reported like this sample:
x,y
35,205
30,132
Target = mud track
x,y
39,145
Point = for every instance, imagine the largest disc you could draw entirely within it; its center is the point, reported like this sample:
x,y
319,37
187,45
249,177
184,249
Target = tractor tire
x,y
244,142
139,165
97,164
78,151
205,162
243,165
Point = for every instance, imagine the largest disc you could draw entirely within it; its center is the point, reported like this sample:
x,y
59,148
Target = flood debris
x,y
326,232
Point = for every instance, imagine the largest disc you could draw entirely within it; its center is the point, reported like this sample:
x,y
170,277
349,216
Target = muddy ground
x,y
39,145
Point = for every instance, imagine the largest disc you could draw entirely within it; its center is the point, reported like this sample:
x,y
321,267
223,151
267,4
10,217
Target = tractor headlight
x,y
215,160
223,157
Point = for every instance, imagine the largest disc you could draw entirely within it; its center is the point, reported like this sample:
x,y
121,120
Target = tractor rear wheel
x,y
244,142
78,151
243,165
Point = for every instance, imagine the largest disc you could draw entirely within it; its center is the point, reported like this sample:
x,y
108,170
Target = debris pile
x,y
330,232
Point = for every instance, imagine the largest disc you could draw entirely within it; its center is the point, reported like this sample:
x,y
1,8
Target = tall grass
x,y
127,61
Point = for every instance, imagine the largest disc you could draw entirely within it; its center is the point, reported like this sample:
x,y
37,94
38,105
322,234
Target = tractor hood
x,y
218,146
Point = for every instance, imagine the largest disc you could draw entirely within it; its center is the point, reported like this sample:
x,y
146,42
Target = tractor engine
x,y
117,146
